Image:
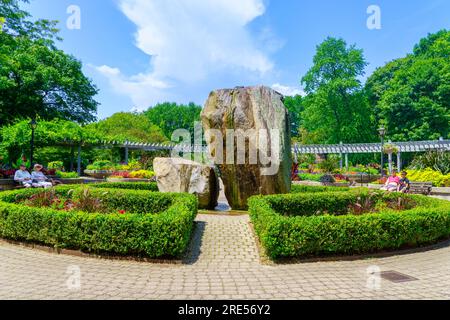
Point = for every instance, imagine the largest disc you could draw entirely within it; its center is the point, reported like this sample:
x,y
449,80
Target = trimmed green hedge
x,y
295,188
295,225
155,225
149,186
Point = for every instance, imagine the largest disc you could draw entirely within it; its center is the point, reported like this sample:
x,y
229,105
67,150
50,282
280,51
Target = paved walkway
x,y
223,263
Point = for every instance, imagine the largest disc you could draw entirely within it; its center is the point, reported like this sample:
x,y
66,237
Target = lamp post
x,y
33,125
382,132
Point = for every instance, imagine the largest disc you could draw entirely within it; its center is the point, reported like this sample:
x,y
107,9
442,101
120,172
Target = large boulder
x,y
257,113
180,175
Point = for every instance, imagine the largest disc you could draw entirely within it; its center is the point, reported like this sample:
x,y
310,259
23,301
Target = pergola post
x,y
79,160
126,152
72,158
399,161
341,165
346,162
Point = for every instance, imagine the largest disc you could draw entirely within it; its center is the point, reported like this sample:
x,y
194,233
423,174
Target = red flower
x,y
122,212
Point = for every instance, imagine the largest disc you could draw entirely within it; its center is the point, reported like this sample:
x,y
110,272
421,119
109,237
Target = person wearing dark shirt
x,y
404,183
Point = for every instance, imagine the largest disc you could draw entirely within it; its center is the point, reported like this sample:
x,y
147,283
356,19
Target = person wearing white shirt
x,y
23,177
39,179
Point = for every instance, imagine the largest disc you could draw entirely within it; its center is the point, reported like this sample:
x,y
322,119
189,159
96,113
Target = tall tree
x,y
295,107
336,108
128,126
171,116
37,79
411,95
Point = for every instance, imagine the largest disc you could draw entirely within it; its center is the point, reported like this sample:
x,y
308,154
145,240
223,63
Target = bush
x,y
155,225
56,165
313,189
300,225
310,177
433,160
67,175
149,186
101,165
429,175
142,174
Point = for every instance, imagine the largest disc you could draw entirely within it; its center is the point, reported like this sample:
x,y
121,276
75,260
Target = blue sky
x,y
140,52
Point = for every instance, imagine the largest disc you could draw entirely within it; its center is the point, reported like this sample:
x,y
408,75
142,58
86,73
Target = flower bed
x,y
336,223
143,223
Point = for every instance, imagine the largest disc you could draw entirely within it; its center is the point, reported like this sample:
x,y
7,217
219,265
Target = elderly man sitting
x,y
23,177
39,179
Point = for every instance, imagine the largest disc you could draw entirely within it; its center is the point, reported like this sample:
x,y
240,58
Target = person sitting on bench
x,y
392,182
405,184
39,179
23,177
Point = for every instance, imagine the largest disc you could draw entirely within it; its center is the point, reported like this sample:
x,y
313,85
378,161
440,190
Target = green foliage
x,y
156,225
57,165
295,108
67,175
310,177
411,95
32,73
313,189
429,175
329,165
101,165
302,225
436,160
171,116
335,109
149,186
128,126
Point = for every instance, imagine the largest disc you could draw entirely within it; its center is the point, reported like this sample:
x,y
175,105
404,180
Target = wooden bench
x,y
420,188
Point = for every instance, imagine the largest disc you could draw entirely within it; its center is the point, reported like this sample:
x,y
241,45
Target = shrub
x,y
155,225
310,177
434,160
313,189
142,174
149,186
67,175
101,165
299,225
56,165
429,175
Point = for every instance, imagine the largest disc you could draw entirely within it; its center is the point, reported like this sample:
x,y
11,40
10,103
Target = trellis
x,y
342,149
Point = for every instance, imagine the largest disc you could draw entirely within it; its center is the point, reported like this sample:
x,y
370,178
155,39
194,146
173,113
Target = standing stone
x,y
181,175
252,108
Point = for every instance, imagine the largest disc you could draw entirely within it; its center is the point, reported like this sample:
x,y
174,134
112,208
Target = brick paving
x,y
222,263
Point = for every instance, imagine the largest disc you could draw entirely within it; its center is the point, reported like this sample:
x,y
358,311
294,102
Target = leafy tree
x,y
171,116
128,126
36,79
411,95
336,108
295,108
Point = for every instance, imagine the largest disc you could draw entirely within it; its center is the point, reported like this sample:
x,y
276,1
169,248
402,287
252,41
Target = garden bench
x,y
420,188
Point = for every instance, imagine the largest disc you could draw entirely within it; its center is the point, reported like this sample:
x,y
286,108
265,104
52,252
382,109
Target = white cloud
x,y
189,41
288,91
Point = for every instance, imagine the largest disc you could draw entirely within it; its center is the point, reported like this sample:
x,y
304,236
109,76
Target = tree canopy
x,y
295,108
37,79
171,116
411,95
129,126
335,108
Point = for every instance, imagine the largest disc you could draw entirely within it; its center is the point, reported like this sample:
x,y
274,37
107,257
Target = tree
x,y
171,116
411,95
295,108
37,79
336,108
128,126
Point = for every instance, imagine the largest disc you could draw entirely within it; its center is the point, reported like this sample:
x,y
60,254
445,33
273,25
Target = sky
x,y
141,52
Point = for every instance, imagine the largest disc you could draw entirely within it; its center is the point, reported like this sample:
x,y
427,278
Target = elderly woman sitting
x,y
392,183
39,179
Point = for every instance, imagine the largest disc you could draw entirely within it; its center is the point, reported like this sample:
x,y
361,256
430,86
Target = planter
x,y
99,174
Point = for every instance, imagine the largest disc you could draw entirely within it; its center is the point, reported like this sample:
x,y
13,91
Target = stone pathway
x,y
223,263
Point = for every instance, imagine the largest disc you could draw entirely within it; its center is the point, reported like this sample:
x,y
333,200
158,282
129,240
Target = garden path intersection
x,y
222,263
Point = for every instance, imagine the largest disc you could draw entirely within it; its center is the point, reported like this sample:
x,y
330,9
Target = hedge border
x,y
309,235
165,234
